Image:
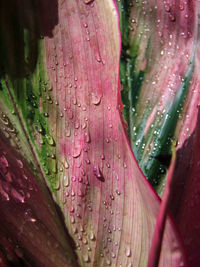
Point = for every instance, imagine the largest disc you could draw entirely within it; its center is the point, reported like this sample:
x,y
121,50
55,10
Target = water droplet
x,y
92,236
50,140
87,137
76,125
112,197
17,195
20,164
57,184
72,193
96,99
85,241
118,192
66,180
71,209
128,252
98,173
88,1
113,255
86,258
66,164
76,152
108,262
68,132
102,156
87,161
72,219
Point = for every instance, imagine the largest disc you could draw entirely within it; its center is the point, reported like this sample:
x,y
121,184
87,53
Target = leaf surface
x,y
159,59
67,115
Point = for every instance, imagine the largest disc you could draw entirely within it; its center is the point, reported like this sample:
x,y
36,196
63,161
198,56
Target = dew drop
x,y
92,236
88,1
66,180
68,132
87,137
86,258
50,140
98,173
17,195
66,164
96,99
20,164
128,252
72,219
76,152
87,161
57,184
76,125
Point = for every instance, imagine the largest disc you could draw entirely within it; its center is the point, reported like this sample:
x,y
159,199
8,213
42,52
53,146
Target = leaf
x,y
184,201
30,231
68,124
160,61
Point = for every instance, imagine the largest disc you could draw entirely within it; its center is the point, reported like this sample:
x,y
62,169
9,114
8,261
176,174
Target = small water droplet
x,y
76,152
66,180
88,1
57,184
50,140
66,164
92,236
68,132
102,156
128,252
87,137
96,99
20,164
86,258
98,173
17,195
76,125
72,219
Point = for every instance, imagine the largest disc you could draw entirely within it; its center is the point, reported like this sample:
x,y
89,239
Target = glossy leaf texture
x,y
158,70
66,112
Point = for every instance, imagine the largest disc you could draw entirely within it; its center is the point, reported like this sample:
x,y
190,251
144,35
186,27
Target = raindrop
x,y
88,1
57,184
128,252
98,173
102,156
86,258
66,180
87,137
17,195
96,99
72,219
76,125
76,152
66,164
68,132
87,161
92,236
50,140
20,164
